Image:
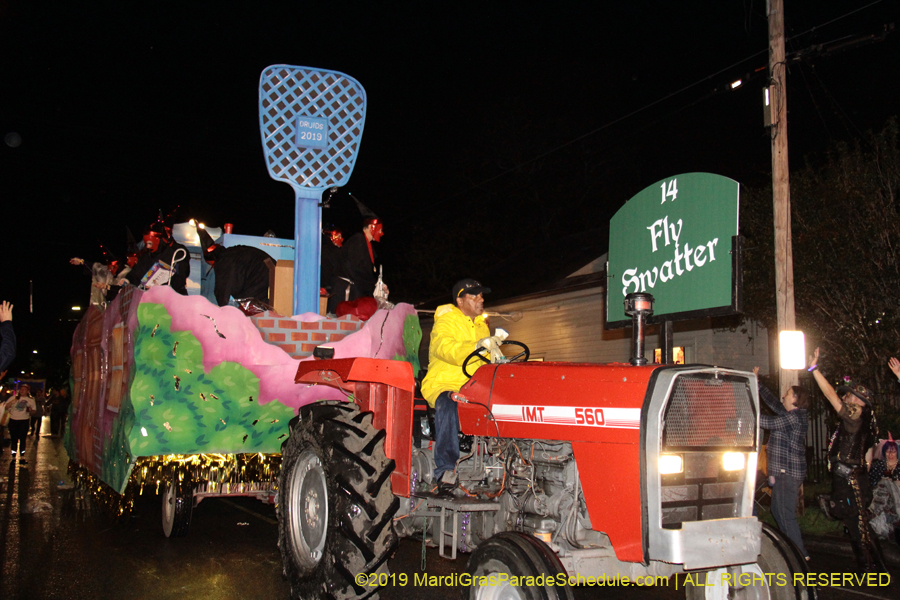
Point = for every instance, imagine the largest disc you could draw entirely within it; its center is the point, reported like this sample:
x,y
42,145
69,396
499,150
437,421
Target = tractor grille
x,y
706,416
702,492
706,411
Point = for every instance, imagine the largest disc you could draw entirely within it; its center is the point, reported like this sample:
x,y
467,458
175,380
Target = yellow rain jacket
x,y
453,338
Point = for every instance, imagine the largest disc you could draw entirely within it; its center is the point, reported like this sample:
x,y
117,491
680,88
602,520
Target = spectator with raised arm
x,y
7,337
786,455
855,435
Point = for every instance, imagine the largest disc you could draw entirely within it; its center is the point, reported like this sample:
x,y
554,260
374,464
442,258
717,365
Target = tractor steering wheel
x,y
479,353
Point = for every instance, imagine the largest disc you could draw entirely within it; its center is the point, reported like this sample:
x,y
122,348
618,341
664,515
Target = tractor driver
x,y
458,330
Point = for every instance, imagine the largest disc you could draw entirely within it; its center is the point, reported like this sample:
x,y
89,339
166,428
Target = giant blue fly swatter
x,y
311,122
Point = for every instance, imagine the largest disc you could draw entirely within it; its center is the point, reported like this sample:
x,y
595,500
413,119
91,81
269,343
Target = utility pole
x,y
781,191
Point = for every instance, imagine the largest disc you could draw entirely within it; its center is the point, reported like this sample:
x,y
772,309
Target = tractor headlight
x,y
670,463
733,461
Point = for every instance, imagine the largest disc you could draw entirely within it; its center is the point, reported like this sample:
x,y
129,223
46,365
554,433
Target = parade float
x,y
175,394
192,399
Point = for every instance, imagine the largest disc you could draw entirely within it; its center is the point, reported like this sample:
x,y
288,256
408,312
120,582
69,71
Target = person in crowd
x,y
21,408
885,467
786,456
59,408
52,401
884,479
7,354
38,416
855,435
457,332
5,395
7,338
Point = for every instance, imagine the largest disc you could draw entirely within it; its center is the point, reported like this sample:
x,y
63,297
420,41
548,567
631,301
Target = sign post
x,y
674,240
311,122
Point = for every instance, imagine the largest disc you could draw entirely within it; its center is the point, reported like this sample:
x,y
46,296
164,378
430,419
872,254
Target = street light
x,y
792,348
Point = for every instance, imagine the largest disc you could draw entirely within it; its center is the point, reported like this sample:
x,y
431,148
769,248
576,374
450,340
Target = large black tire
x,y
515,555
777,556
335,507
177,506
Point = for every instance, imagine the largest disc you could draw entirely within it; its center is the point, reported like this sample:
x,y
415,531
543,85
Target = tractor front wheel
x,y
501,567
770,578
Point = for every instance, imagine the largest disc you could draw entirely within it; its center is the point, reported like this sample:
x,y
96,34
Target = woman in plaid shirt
x,y
786,456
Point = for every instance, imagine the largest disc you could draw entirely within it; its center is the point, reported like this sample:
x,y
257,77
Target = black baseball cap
x,y
469,286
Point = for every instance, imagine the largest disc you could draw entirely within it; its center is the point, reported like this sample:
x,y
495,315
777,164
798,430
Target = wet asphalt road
x,y
52,548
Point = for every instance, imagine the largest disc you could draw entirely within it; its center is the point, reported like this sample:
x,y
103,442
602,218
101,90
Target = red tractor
x,y
573,471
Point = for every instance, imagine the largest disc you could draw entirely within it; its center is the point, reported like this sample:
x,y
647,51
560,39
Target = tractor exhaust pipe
x,y
639,307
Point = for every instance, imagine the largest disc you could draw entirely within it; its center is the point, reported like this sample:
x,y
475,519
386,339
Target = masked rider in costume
x,y
160,247
332,267
359,272
241,272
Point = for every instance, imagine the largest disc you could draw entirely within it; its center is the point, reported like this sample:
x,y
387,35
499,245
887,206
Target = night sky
x,y
537,119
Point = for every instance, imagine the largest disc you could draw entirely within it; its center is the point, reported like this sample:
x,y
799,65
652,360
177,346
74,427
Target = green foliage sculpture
x,y
180,409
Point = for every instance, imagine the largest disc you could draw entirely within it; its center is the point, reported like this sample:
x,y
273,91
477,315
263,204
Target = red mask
x,y
377,232
337,238
152,241
114,266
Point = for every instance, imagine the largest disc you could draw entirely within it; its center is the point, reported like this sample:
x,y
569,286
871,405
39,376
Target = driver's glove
x,y
498,338
492,344
485,343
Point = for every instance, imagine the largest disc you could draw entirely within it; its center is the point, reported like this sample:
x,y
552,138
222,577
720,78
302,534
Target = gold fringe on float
x,y
108,501
209,473
217,472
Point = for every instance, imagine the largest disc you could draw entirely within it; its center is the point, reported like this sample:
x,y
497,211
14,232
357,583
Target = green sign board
x,y
674,240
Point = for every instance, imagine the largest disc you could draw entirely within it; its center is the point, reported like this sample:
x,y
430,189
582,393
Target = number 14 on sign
x,y
669,190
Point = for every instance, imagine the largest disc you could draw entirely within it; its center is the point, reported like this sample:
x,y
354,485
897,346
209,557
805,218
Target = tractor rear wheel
x,y
335,507
501,566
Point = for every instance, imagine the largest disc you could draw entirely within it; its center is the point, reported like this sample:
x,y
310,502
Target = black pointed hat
x,y
131,246
108,255
367,214
207,244
205,239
